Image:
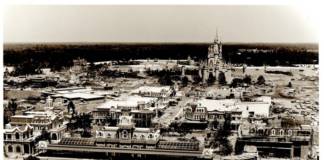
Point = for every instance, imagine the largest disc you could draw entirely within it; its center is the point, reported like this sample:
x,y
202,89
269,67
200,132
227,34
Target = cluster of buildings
x,y
126,117
22,133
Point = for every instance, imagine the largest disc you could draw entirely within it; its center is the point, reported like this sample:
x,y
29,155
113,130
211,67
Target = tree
x,y
289,122
165,80
45,135
92,66
222,78
174,92
84,122
247,79
289,85
196,79
221,137
214,124
110,121
260,80
225,147
211,79
27,67
236,82
6,115
12,106
71,106
184,81
244,68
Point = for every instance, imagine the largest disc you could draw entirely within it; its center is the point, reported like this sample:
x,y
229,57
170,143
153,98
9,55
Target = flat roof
x,y
79,96
156,89
260,106
127,101
220,105
23,116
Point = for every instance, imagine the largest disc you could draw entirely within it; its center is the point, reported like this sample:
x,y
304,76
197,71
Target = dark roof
x,y
77,141
178,145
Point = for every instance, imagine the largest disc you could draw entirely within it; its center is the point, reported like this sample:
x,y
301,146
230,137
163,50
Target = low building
x,y
276,141
126,135
153,91
78,98
18,141
141,108
49,121
223,93
78,95
127,139
209,110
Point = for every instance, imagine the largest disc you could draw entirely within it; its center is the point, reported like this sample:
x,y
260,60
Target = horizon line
x,y
155,42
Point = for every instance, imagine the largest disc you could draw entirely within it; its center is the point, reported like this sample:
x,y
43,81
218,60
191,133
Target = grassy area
x,y
20,94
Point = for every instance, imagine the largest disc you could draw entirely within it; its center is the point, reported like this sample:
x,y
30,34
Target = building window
x,y
125,134
273,132
54,136
290,132
9,136
9,148
260,131
150,136
282,132
17,136
252,130
18,150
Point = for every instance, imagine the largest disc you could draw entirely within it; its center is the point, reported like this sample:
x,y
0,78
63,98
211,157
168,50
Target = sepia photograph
x,y
160,82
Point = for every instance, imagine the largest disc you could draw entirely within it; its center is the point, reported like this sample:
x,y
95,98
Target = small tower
x,y
183,71
49,102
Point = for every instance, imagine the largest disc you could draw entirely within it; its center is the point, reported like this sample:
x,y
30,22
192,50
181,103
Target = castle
x,y
214,64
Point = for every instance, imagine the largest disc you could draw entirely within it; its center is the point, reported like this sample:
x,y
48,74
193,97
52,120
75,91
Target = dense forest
x,y
57,55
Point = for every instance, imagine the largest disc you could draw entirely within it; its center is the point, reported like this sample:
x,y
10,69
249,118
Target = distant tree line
x,y
118,74
288,73
192,72
160,73
283,56
165,76
30,57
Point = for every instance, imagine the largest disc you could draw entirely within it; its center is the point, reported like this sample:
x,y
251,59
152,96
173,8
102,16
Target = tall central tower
x,y
214,59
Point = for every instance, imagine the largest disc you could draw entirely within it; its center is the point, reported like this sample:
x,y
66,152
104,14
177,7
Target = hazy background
x,y
32,23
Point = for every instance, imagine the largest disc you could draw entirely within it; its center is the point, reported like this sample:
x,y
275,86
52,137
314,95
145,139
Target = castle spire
x,y
216,37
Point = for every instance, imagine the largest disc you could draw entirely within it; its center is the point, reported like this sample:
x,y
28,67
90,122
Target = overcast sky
x,y
156,24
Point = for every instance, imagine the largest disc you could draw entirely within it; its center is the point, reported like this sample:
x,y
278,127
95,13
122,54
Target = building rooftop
x,y
24,128
260,106
77,141
22,116
155,89
127,101
86,96
220,105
